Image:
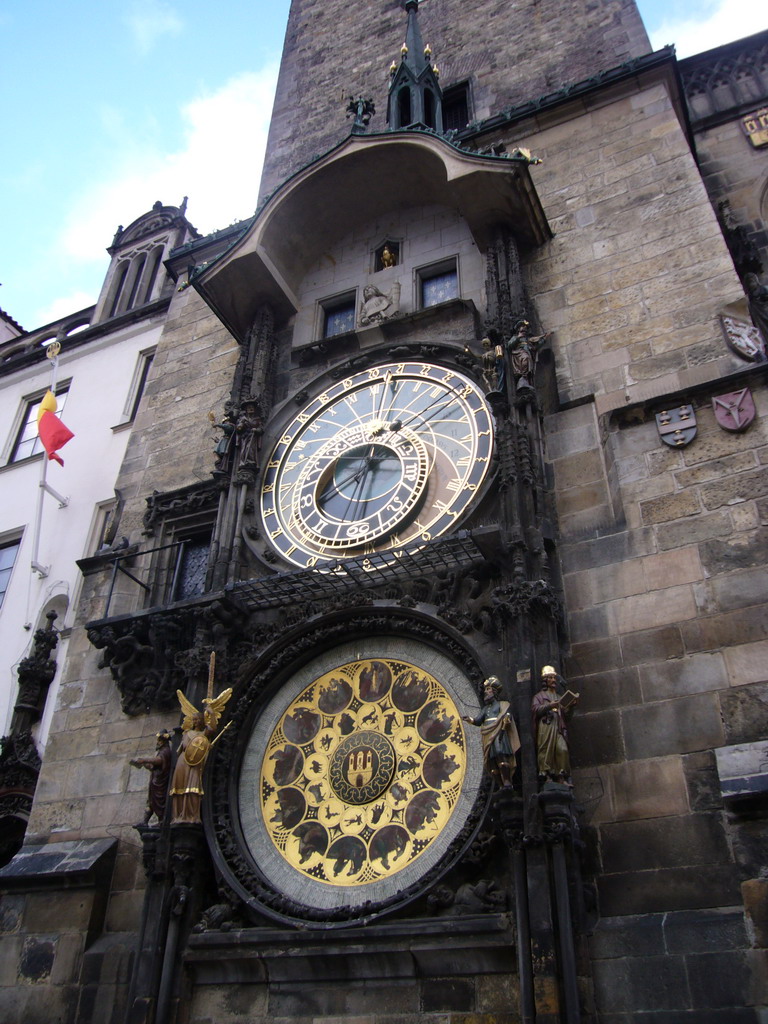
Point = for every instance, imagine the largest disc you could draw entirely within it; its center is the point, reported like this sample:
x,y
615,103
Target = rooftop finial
x,y
415,98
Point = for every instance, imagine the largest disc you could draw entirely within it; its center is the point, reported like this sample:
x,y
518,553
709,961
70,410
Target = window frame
x,y
451,96
138,385
24,418
9,540
325,307
431,271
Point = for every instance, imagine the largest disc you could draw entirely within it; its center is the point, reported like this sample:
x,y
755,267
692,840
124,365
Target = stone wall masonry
x,y
172,442
669,646
631,309
701,964
510,53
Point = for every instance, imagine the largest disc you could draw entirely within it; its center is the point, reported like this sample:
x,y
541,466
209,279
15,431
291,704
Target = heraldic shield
x,y
734,411
677,427
197,751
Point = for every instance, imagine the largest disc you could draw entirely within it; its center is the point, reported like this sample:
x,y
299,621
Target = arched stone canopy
x,y
322,203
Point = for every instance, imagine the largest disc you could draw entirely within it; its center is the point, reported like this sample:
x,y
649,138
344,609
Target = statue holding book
x,y
549,711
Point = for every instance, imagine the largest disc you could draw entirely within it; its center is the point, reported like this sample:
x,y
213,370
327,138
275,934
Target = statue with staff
x,y
200,728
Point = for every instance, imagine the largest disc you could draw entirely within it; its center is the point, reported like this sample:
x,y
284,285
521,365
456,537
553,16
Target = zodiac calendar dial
x,y
388,457
362,772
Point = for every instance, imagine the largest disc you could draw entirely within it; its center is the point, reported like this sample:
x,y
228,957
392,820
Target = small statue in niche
x,y
523,352
498,731
227,428
199,732
377,306
249,428
388,258
159,768
492,360
548,723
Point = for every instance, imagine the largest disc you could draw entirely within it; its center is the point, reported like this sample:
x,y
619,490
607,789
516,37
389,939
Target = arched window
x,y
429,108
404,107
136,269
154,266
120,275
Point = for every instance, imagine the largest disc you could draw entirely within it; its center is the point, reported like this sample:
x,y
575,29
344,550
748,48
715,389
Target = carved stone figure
x,y
388,258
159,767
757,296
523,352
199,729
548,718
377,306
490,365
499,733
362,109
223,445
249,428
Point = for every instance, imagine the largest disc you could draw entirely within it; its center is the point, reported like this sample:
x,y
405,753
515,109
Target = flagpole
x,y
52,353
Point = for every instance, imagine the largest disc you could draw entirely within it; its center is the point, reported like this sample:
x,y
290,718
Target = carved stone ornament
x,y
140,655
182,502
377,307
744,339
755,127
677,427
19,763
734,411
36,671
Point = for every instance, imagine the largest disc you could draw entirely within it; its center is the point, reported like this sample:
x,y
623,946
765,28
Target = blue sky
x,y
106,107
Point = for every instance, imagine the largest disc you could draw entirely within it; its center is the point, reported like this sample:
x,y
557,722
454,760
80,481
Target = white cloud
x,y
717,23
148,20
219,168
64,306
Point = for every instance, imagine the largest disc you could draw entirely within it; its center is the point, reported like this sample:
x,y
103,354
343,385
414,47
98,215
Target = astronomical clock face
x,y
388,457
359,776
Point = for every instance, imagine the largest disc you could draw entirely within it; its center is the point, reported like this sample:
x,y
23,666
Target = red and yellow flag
x,y
51,430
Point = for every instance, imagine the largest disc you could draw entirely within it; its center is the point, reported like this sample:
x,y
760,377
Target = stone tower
x,y
471,545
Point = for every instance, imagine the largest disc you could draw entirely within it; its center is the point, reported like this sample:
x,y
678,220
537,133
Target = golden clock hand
x,y
387,380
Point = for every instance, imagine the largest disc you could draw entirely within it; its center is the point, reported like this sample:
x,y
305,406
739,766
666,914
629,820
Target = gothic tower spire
x,y
415,98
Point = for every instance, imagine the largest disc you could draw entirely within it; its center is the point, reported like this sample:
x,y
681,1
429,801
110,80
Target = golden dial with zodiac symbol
x,y
362,772
387,457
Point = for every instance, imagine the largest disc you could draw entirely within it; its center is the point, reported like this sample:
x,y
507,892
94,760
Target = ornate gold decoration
x,y
363,771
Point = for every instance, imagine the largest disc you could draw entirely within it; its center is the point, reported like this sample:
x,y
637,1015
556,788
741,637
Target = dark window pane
x,y
141,385
192,568
8,554
455,108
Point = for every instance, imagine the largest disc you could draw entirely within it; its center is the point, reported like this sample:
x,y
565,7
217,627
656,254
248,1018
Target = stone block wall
x,y
172,441
387,973
509,53
634,310
669,648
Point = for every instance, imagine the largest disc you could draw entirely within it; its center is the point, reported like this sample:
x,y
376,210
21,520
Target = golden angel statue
x,y
199,729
